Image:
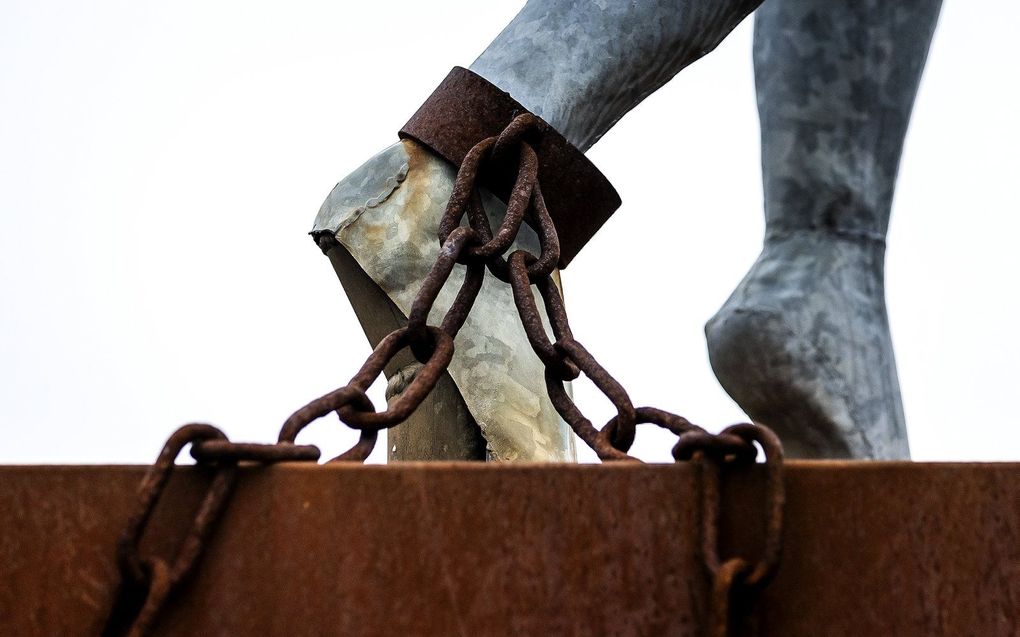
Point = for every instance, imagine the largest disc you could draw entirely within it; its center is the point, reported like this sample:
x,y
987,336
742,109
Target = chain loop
x,y
736,581
677,425
549,242
146,582
155,575
150,490
719,447
361,449
157,590
321,406
516,207
728,603
531,319
609,386
408,400
465,198
525,203
525,128
437,277
225,451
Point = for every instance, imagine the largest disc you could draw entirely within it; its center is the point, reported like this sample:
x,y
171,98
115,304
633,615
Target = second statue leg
x,y
803,344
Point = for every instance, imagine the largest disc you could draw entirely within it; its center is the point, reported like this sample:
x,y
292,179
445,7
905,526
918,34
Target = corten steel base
x,y
474,549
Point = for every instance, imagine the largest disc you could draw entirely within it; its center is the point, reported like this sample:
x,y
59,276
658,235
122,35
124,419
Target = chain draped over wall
x,y
148,581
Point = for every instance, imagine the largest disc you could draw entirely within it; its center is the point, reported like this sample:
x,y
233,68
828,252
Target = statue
x,y
803,343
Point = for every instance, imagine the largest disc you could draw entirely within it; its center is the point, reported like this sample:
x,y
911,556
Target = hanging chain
x,y
736,582
147,582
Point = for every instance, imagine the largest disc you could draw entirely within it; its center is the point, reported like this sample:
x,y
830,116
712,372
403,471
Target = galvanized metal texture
x,y
480,249
476,245
873,549
466,108
501,383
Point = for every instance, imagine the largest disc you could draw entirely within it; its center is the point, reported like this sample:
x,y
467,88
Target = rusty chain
x,y
147,582
736,582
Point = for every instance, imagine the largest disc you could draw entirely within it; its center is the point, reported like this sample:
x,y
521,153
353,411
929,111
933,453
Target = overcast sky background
x,y
161,163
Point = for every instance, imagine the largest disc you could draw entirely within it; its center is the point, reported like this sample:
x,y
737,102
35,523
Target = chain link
x,y
148,581
736,581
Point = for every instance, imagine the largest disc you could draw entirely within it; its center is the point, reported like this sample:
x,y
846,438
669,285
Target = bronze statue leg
x,y
803,343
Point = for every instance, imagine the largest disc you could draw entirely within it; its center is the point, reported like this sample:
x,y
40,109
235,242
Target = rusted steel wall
x,y
475,549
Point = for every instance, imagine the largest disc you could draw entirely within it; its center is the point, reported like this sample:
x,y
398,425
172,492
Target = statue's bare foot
x,y
803,346
380,228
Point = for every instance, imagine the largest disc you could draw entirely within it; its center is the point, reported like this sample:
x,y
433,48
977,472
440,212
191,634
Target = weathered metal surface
x,y
466,108
581,65
445,549
390,247
836,83
386,214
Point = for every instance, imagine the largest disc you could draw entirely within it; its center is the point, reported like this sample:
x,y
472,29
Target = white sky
x,y
160,164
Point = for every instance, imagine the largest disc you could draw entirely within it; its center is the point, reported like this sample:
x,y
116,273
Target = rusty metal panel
x,y
481,549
